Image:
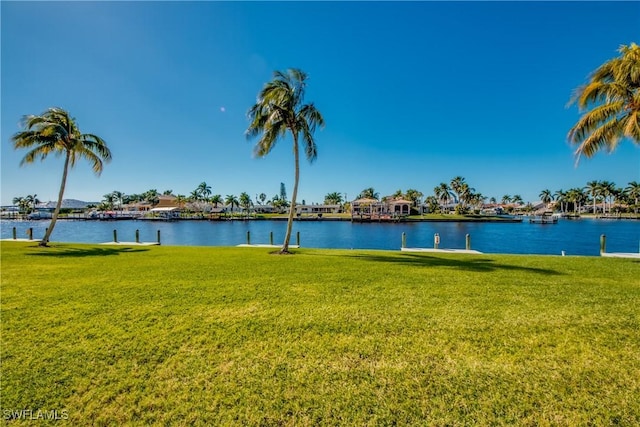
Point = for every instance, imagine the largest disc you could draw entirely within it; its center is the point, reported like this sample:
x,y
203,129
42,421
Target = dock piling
x,y
30,233
158,236
468,242
603,243
436,240
15,236
271,238
248,237
115,236
298,238
404,239
137,236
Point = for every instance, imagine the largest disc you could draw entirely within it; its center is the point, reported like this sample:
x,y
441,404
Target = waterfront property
x,y
388,209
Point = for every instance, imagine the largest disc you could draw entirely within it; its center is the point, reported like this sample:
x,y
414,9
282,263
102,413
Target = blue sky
x,y
413,94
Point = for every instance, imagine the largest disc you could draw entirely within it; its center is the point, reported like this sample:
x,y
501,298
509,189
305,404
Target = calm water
x,y
575,237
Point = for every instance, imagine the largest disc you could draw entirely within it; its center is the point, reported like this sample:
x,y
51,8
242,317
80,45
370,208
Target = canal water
x,y
574,237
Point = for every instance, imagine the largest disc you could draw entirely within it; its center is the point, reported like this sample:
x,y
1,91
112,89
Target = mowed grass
x,y
119,335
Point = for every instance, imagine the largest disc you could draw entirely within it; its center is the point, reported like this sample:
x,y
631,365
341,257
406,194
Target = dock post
x,y
137,236
248,237
468,242
158,236
603,243
271,238
30,233
404,239
14,234
436,241
115,236
298,238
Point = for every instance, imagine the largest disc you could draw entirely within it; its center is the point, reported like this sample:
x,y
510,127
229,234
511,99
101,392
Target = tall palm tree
x,y
545,196
118,198
607,190
506,199
245,201
203,191
32,201
55,131
560,197
456,185
280,108
633,191
613,94
593,187
443,194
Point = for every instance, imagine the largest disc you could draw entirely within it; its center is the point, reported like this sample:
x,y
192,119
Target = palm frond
x,y
591,120
605,137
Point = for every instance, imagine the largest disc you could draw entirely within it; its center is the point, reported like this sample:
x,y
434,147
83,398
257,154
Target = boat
x,y
545,219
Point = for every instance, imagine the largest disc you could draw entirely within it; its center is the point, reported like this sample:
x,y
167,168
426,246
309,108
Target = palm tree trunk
x,y
56,212
292,209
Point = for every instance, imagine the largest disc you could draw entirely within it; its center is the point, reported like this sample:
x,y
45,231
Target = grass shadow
x,y
75,252
467,263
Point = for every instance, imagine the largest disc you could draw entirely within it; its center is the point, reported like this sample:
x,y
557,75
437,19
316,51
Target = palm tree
x,y
517,199
108,200
262,197
465,194
55,131
506,199
442,193
612,93
545,196
203,191
593,187
334,198
22,203
32,201
232,201
368,193
607,190
456,186
216,199
280,108
181,201
245,201
118,198
633,191
575,196
151,196
560,197
414,195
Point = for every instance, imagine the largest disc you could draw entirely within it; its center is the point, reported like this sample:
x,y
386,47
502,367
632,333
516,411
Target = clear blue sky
x,y
413,93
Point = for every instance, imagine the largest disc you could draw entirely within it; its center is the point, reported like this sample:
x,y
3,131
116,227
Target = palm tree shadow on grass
x,y
59,252
467,263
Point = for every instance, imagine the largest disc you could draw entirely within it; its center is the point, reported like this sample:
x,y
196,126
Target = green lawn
x,y
114,335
